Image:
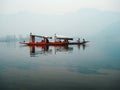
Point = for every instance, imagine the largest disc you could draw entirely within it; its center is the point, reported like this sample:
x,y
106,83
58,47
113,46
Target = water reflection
x,y
96,68
35,50
44,49
83,46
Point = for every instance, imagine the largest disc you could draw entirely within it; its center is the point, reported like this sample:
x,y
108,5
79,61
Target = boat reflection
x,y
35,50
83,46
45,50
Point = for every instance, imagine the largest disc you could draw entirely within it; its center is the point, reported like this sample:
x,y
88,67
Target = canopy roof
x,y
63,37
41,36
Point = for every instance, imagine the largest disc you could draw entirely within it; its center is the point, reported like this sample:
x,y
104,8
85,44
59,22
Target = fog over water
x,y
93,66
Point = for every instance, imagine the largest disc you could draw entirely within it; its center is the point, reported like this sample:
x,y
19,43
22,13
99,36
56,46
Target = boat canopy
x,y
41,36
63,37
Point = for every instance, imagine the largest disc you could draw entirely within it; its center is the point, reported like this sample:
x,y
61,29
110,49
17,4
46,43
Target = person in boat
x,y
59,40
47,41
83,40
78,40
66,41
42,41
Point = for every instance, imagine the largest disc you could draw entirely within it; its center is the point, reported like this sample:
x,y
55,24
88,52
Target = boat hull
x,y
52,43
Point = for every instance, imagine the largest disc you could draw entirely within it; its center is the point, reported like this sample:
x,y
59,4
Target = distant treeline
x,y
13,38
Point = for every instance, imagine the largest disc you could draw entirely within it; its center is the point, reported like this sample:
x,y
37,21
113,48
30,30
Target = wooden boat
x,y
59,40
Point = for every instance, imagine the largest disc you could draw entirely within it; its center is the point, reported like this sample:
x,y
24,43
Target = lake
x,y
94,66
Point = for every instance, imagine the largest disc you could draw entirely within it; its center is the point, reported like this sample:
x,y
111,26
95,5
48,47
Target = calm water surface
x,y
95,66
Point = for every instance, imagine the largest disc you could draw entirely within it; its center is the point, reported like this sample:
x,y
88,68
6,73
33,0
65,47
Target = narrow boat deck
x,y
53,43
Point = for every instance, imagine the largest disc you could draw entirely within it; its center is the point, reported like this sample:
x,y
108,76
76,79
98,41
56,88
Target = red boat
x,y
59,40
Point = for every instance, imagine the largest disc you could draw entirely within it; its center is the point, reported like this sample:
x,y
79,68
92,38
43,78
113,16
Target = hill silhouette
x,y
83,23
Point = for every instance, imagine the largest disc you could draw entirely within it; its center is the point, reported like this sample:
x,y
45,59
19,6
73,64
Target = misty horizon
x,y
82,23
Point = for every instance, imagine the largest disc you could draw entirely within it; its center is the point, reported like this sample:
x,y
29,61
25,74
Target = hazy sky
x,y
56,6
57,16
